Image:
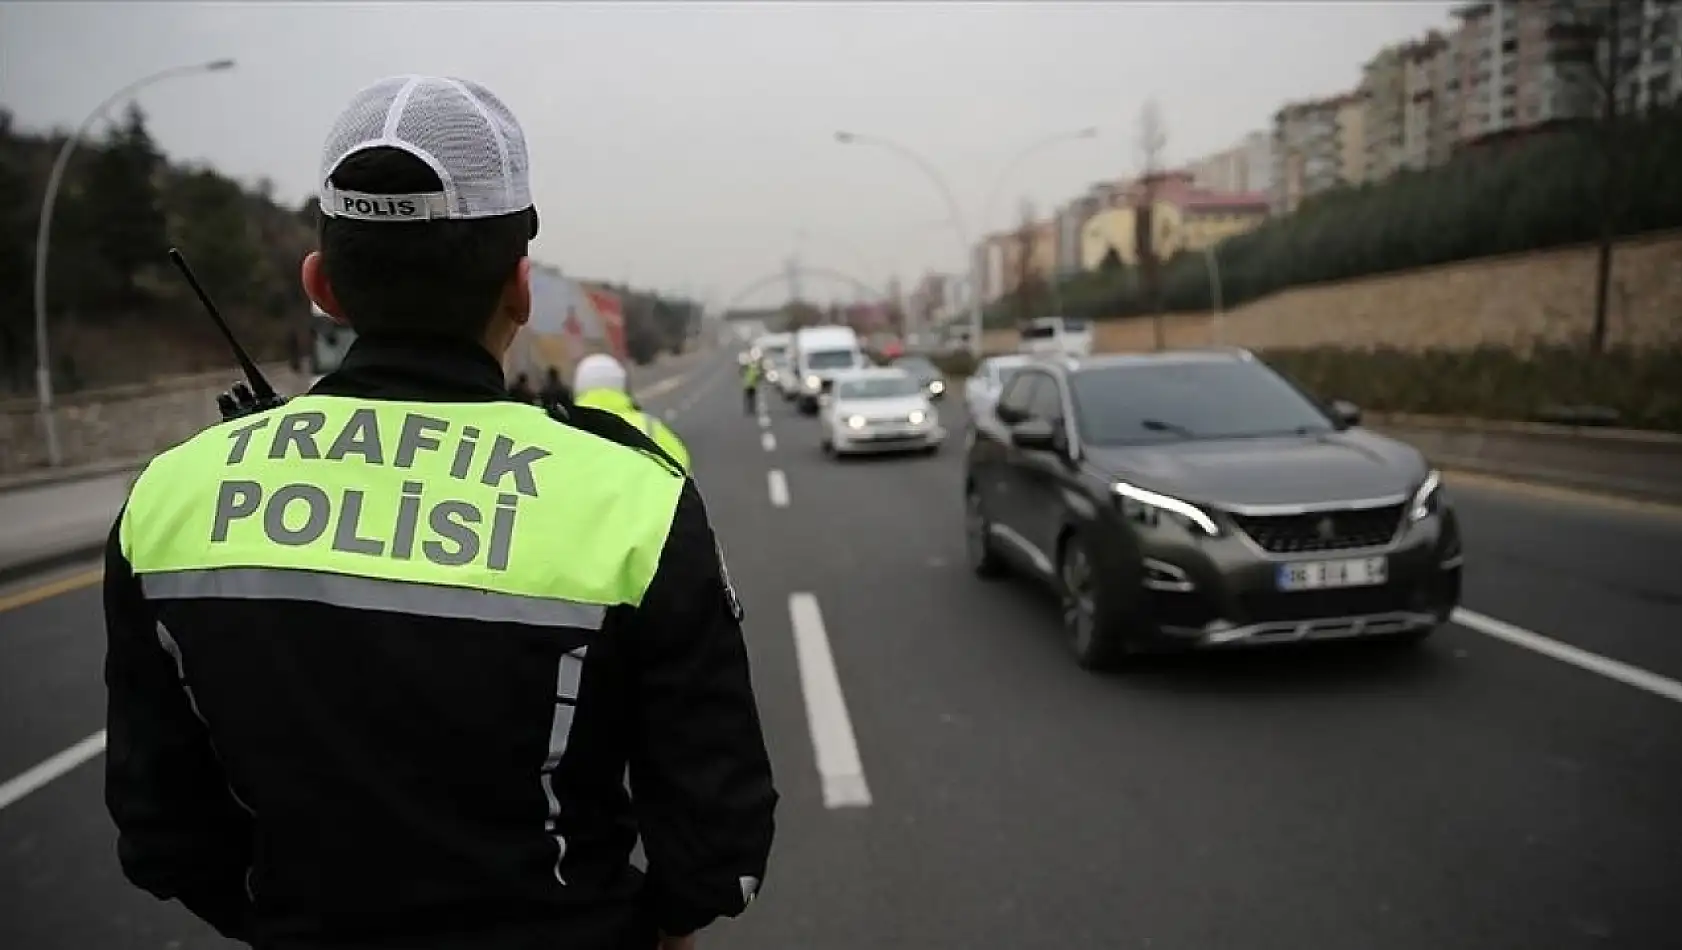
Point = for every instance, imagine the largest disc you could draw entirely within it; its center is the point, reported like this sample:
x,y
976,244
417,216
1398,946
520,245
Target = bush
x,y
1643,387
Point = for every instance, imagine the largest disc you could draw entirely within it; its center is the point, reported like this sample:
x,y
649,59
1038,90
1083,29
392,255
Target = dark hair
x,y
435,278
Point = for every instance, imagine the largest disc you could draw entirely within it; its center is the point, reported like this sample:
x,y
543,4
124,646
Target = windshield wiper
x,y
1157,425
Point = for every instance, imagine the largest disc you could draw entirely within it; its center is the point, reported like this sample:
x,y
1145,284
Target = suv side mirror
x,y
1346,412
1034,434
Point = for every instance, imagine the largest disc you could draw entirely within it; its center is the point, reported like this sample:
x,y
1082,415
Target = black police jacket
x,y
359,740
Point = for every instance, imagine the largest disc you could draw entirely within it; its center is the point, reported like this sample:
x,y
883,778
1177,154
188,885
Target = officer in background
x,y
555,394
750,386
521,390
381,660
600,382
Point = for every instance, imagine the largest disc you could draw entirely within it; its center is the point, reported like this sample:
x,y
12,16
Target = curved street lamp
x,y
966,250
43,233
970,252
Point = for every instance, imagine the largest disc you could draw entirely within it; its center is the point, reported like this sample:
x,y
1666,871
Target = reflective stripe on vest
x,y
485,511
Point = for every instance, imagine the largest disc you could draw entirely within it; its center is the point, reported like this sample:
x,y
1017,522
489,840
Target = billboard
x,y
610,313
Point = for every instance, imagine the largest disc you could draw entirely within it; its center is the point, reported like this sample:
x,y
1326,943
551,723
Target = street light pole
x,y
1218,319
970,252
952,208
43,234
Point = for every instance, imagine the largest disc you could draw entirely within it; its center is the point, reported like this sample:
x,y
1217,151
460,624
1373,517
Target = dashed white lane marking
x,y
778,486
1566,653
768,441
764,421
833,743
54,767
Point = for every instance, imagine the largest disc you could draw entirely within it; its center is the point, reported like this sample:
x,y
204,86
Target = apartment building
x,y
1384,111
1431,108
1246,166
1317,145
1071,219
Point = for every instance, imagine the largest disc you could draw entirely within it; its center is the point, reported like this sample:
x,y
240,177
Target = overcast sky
x,y
689,144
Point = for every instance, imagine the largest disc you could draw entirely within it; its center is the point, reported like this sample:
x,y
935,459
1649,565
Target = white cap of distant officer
x,y
426,200
598,371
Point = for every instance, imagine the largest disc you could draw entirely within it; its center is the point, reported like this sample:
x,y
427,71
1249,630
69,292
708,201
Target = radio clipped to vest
x,y
243,398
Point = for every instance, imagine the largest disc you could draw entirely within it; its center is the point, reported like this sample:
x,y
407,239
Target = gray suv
x,y
1200,499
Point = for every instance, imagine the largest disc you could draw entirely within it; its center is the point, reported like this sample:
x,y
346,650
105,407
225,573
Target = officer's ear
x,y
516,294
314,278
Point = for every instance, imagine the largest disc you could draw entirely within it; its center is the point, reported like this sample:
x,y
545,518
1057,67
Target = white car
x,y
879,410
1056,336
982,390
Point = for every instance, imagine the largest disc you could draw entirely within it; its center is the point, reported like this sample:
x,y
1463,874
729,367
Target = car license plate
x,y
1320,575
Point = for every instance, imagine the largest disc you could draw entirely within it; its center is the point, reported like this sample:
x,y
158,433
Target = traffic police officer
x,y
404,662
750,386
599,381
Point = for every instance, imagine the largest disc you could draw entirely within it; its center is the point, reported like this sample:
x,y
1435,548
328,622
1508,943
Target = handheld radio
x,y
243,398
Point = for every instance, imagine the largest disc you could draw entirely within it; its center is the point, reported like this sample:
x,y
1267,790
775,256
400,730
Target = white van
x,y
820,353
1056,336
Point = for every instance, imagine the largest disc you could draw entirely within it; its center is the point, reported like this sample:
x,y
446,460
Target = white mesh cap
x,y
459,128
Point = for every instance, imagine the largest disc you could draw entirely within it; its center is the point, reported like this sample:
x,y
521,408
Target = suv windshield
x,y
1171,402
1073,325
829,359
1039,331
877,387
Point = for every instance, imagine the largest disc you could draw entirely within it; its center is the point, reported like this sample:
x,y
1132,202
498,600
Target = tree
x,y
1027,292
1602,57
121,189
211,227
1153,140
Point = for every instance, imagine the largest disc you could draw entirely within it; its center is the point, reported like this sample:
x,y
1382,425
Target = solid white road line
x,y
826,709
768,441
1593,662
778,486
52,768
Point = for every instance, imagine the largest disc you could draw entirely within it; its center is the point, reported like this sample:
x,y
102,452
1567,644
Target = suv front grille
x,y
1339,530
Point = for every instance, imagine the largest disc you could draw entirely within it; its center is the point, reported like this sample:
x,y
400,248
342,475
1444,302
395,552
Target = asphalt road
x,y
1473,794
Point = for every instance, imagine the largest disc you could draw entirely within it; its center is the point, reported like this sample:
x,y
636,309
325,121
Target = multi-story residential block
x,y
1071,219
1430,112
1513,69
1312,152
1246,166
1637,43
1352,139
1384,101
1184,218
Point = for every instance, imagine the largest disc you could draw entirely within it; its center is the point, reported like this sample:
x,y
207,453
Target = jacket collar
x,y
397,366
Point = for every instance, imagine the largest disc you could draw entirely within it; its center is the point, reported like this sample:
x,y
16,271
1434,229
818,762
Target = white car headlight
x,y
1139,503
937,387
855,422
812,382
917,416
1426,500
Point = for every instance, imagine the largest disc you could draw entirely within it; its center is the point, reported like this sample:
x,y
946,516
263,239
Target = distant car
x,y
925,373
1056,336
881,409
1199,499
982,388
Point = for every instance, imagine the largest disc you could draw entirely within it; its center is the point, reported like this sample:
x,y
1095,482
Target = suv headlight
x,y
813,382
917,417
1427,501
855,422
1145,506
